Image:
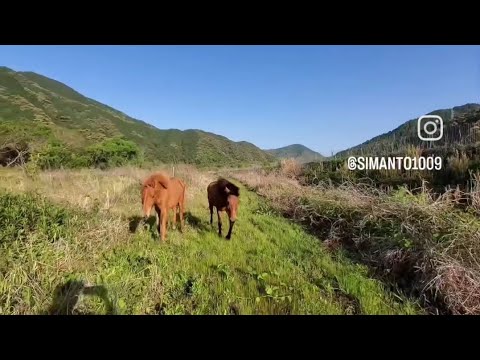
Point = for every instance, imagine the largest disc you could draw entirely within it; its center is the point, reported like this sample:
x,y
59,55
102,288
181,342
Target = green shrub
x,y
78,161
107,154
54,156
114,152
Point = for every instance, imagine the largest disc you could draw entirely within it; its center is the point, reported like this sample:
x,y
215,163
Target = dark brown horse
x,y
225,197
163,193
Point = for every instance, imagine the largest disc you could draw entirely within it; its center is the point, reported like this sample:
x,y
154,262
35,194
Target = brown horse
x,y
163,193
225,197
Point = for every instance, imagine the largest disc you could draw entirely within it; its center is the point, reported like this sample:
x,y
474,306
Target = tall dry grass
x,y
421,242
114,194
290,168
88,189
475,190
459,163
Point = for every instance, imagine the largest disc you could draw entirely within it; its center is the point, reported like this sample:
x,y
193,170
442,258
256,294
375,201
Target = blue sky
x,y
325,97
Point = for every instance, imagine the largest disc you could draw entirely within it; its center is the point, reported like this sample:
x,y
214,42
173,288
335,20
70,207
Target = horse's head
x,y
154,189
148,198
232,201
232,207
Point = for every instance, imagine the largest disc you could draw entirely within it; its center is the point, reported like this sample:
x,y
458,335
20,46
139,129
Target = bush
x,y
78,161
109,153
54,156
114,152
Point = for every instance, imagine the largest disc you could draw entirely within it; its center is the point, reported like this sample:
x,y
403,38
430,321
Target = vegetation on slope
x,y
37,111
459,169
461,127
77,248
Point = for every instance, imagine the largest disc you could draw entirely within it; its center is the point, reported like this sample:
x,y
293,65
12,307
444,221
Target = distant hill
x,y
296,151
36,108
461,127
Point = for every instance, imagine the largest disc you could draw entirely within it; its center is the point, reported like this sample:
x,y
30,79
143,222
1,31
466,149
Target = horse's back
x,y
183,190
160,178
211,191
179,184
216,197
177,191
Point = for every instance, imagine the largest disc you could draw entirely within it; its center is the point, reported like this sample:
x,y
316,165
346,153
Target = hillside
x,y
37,109
297,151
461,127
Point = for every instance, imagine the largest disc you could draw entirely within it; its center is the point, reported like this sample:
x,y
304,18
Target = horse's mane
x,y
234,189
161,178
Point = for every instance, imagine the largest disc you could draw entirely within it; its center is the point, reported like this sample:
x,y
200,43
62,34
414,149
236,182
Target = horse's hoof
x,y
227,237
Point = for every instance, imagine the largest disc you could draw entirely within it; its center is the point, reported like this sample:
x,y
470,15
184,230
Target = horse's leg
x,y
158,218
182,220
163,221
231,223
211,215
219,214
174,217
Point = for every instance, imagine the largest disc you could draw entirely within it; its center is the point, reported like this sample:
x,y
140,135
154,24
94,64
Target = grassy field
x,y
71,243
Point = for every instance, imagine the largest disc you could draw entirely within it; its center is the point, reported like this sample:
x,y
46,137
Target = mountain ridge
x,y
40,109
297,151
458,118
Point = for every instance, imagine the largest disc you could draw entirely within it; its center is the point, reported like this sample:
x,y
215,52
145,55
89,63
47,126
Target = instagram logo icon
x,y
432,126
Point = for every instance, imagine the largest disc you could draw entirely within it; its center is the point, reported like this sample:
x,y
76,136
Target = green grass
x,y
87,260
